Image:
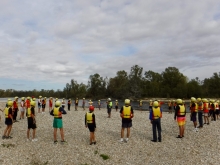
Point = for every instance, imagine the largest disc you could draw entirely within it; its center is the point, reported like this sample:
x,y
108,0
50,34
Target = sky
x,y
45,44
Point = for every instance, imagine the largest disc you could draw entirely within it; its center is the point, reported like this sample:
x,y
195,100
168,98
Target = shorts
x,y
193,116
8,121
57,123
22,109
116,107
169,108
31,123
39,106
217,111
109,110
43,106
181,121
206,114
91,127
126,125
76,104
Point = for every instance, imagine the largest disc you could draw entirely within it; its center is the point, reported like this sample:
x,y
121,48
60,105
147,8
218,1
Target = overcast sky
x,y
46,43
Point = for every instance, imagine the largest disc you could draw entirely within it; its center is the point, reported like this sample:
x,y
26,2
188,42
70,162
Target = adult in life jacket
x,y
169,106
155,118
193,112
50,103
180,116
76,104
15,109
200,112
57,112
126,113
217,109
206,111
22,109
109,107
116,105
43,105
8,120
91,124
99,104
69,104
30,113
212,110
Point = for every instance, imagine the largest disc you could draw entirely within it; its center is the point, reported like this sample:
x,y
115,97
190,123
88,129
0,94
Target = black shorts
x,y
91,127
169,108
109,110
43,106
8,121
31,124
116,107
76,104
126,124
217,111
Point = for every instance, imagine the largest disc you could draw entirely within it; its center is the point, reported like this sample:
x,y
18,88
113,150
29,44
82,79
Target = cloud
x,y
55,41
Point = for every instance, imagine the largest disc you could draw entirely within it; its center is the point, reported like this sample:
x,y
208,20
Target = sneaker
x,y
121,140
9,137
126,140
3,137
63,142
55,142
34,140
94,142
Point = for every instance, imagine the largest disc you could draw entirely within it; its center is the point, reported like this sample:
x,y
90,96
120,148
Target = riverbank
x,y
195,148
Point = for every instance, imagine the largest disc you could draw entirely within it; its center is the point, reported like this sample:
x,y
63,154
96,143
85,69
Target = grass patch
x,y
8,145
104,157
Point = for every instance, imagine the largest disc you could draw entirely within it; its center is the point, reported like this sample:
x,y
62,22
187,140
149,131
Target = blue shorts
x,y
39,106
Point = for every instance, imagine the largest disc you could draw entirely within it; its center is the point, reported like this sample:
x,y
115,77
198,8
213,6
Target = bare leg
x,y
62,133
9,130
55,134
34,132
122,132
128,132
28,133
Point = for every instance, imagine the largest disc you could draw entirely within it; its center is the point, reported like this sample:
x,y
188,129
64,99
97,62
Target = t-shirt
x,y
126,120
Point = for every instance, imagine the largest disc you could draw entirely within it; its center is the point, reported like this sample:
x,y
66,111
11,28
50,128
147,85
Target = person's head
x,y
33,99
127,102
40,97
10,103
91,108
16,98
28,98
109,99
83,98
155,104
58,103
22,98
179,101
33,103
199,99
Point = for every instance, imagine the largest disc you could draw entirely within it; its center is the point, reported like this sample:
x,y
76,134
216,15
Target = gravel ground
x,y
195,148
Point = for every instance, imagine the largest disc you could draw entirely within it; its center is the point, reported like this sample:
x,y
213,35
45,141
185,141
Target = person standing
x,y
63,103
50,104
57,112
43,105
200,112
150,105
140,104
31,122
155,118
69,104
99,104
206,111
116,105
109,107
83,104
76,104
169,106
194,110
39,103
15,109
126,113
180,116
91,124
22,109
8,120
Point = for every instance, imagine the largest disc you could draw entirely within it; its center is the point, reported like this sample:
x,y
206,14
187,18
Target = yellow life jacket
x,y
127,112
196,108
200,107
29,112
116,103
76,101
56,112
6,112
89,117
156,113
182,110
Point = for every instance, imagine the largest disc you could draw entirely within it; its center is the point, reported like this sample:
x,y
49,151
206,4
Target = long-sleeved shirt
x,y
151,113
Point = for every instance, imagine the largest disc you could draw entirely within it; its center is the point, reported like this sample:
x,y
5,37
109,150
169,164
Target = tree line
x,y
136,84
